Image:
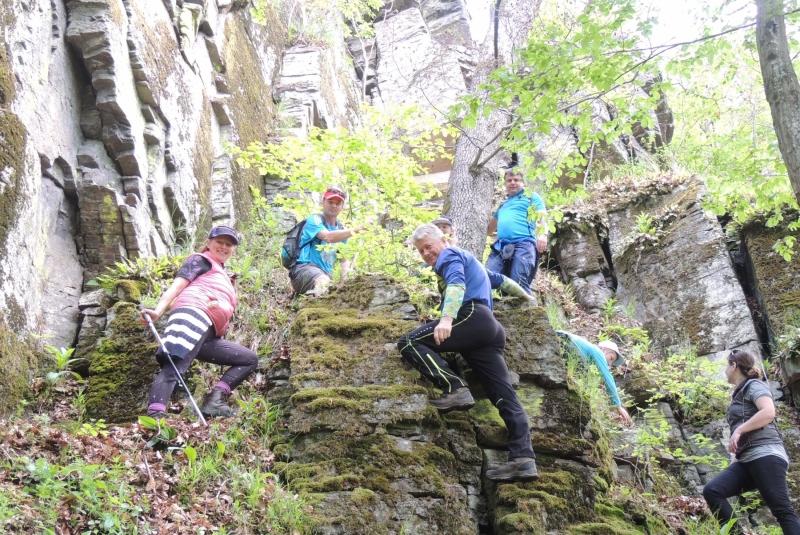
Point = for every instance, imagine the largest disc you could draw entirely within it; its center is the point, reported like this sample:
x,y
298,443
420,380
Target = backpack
x,y
290,251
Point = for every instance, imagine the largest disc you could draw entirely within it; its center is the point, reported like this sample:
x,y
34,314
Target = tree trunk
x,y
470,191
780,84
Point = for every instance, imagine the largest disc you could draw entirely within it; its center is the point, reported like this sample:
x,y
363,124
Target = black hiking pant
x,y
480,339
768,475
209,348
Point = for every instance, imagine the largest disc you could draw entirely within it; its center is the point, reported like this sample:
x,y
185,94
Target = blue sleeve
x,y
495,279
592,353
537,202
450,267
314,226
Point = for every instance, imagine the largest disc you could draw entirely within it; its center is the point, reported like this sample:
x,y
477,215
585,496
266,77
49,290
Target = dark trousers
x,y
480,339
521,267
768,475
211,349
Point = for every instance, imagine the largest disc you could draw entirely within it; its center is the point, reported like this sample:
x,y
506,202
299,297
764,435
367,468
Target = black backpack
x,y
290,251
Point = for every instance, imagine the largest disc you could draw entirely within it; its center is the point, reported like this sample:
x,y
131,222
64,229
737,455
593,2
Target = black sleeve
x,y
193,267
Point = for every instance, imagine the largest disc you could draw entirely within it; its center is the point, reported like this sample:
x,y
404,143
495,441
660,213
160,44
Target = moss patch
x,y
13,137
122,368
776,281
19,361
252,108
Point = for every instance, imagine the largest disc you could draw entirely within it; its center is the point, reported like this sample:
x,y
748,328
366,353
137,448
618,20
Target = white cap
x,y
608,344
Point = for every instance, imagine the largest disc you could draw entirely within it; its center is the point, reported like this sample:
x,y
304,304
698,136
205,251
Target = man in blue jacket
x,y
468,326
515,254
604,355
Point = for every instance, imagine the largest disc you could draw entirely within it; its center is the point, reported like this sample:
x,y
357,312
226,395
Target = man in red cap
x,y
312,272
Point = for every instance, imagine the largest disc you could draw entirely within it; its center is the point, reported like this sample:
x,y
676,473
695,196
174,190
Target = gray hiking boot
x,y
214,405
520,469
457,400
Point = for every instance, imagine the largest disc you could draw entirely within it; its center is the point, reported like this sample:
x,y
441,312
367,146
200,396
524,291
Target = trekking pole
x,y
174,368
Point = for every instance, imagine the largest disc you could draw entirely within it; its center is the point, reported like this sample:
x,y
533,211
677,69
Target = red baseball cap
x,y
334,193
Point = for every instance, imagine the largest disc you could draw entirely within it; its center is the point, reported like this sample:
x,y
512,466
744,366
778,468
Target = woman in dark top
x,y
202,298
761,460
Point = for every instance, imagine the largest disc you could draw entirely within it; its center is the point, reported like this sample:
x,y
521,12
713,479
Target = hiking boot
x,y
457,400
157,415
520,469
214,405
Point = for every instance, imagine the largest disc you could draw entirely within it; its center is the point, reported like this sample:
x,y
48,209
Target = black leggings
x,y
768,475
480,339
209,348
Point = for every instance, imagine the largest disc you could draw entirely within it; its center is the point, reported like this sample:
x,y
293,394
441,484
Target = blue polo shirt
x,y
313,252
512,218
457,266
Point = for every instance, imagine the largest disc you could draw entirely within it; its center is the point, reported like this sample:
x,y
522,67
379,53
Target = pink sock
x,y
156,407
223,387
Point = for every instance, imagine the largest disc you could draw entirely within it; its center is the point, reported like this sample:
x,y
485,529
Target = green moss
x,y
374,462
789,299
122,368
364,497
6,76
129,290
252,108
19,361
693,321
13,138
520,523
777,281
609,527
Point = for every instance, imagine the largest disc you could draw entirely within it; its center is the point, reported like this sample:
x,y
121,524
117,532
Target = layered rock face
x,y
380,459
670,263
682,287
113,121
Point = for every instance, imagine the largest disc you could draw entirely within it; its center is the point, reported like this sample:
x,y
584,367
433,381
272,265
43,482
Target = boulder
x,y
583,265
377,456
680,280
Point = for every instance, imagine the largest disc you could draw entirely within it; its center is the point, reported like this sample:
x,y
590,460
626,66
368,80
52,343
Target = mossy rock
x,y
776,281
19,363
380,464
129,290
564,494
122,367
533,349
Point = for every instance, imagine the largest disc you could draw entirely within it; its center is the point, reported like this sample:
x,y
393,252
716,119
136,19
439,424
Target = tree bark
x,y
780,84
470,191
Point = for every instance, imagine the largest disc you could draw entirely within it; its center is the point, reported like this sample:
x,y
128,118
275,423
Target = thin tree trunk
x,y
780,84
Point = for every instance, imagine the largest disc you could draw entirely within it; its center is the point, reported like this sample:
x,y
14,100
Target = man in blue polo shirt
x,y
312,271
515,253
468,326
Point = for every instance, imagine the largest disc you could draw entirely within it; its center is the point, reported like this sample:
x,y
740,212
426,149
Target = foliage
x,y
263,317
56,481
585,85
692,383
572,70
62,360
726,134
97,494
155,270
163,433
375,164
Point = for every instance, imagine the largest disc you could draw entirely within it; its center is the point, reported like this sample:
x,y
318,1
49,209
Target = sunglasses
x,y
335,192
